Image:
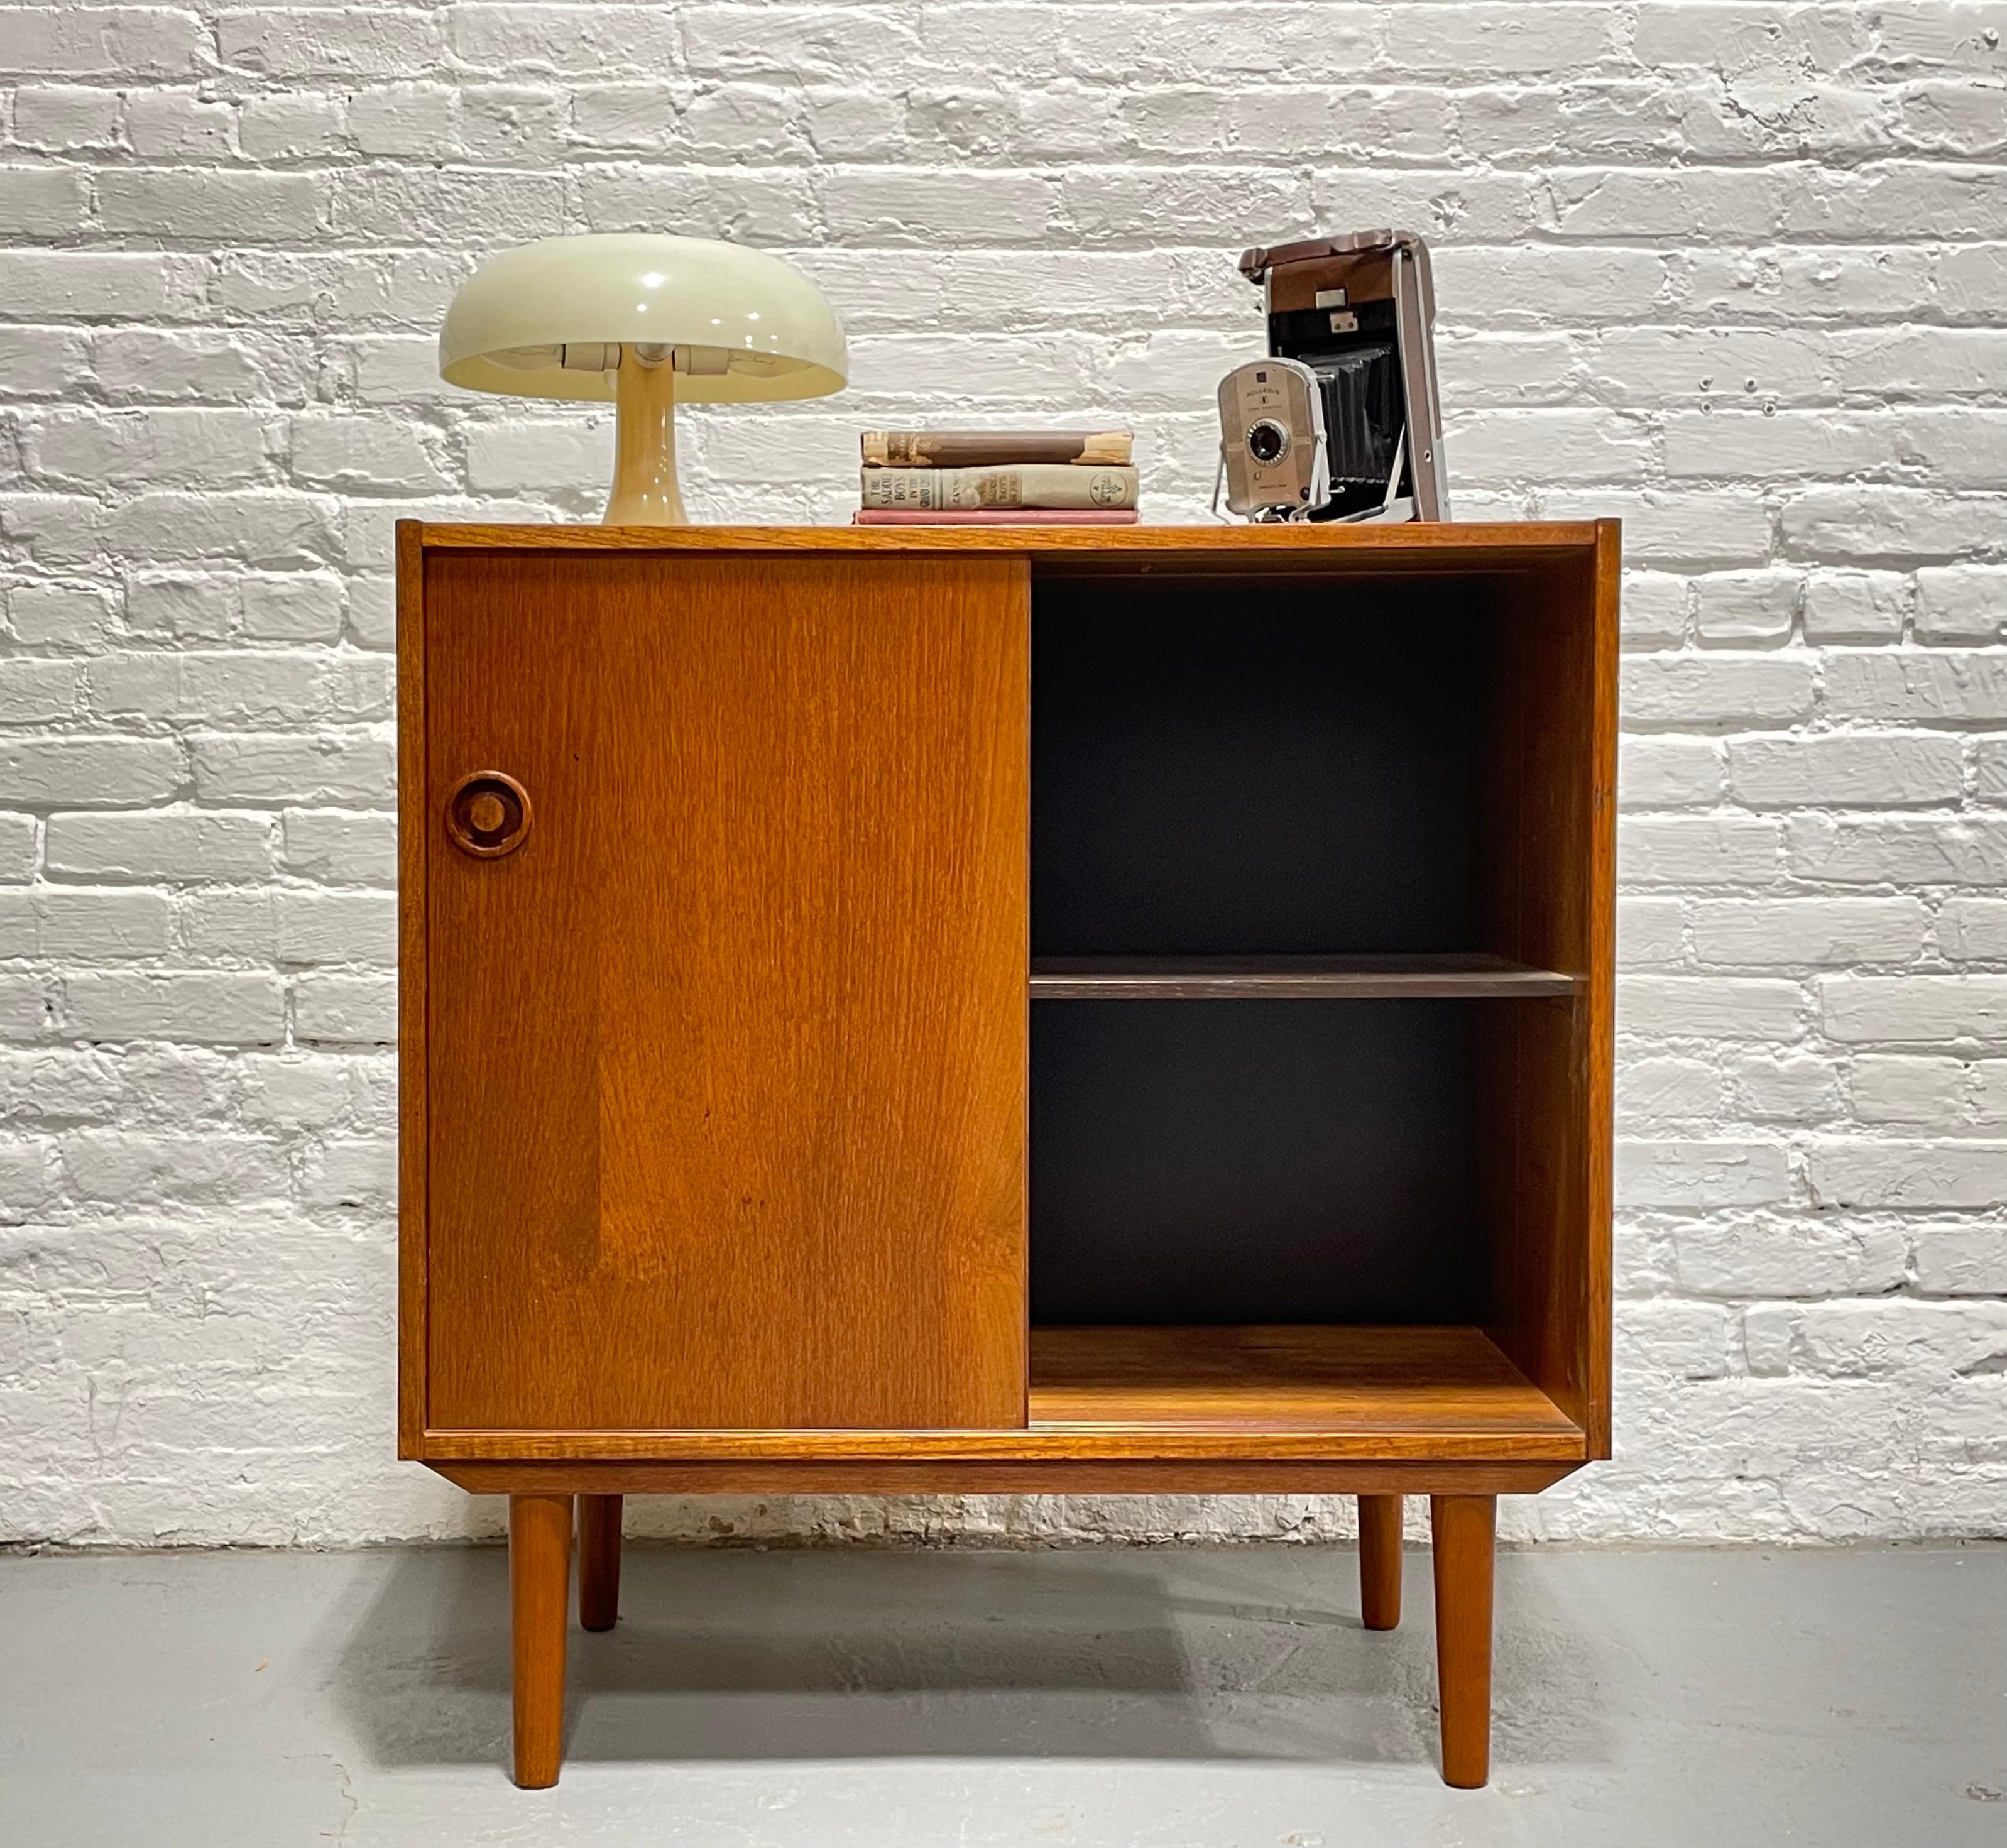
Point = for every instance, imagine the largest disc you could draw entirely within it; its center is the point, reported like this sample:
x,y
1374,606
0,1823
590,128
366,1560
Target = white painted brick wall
x,y
1736,272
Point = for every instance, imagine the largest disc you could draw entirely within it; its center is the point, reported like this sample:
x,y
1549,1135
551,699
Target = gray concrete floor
x,y
1219,1698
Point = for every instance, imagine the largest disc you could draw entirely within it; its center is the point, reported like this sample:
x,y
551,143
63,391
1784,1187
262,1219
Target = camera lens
x,y
1268,442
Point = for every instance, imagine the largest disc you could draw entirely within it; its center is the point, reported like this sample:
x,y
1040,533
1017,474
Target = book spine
x,y
1036,485
994,449
995,517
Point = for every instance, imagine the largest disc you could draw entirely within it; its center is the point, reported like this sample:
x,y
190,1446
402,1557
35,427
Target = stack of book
x,y
990,478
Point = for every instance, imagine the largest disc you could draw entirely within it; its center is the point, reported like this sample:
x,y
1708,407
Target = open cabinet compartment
x,y
1316,968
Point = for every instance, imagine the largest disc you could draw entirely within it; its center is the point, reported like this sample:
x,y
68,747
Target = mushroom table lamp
x,y
645,321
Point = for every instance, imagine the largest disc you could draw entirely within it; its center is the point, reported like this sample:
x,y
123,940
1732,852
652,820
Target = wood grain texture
x,y
599,1561
1203,1395
412,1135
1474,546
1549,886
728,1061
1463,1527
1449,977
814,1476
1380,1561
539,1579
1381,1385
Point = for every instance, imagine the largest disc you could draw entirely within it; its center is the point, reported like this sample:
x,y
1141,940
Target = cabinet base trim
x,y
868,1477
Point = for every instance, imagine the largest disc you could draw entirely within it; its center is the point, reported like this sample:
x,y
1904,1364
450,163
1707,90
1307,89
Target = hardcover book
x,y
989,448
995,517
1033,485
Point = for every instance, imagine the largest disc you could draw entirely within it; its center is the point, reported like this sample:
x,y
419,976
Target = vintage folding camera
x,y
1351,329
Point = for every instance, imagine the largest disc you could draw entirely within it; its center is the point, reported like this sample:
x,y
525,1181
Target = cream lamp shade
x,y
643,320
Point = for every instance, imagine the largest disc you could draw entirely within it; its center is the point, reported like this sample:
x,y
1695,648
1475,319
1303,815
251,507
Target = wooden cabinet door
x,y
726,1062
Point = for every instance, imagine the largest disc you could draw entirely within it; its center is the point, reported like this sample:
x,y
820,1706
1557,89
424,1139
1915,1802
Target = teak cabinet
x,y
1005,1011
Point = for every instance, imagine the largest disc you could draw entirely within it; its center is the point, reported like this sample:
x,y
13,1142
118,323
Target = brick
x,y
1871,525
83,285
539,454
27,1006
1697,850
1699,689
1670,772
64,119
289,128
353,768
1648,930
177,125
345,41
152,447
58,615
1787,1088
1789,932
1913,1010
1911,851
1965,604
414,120
575,40
1855,606
213,365
42,362
1919,686
1855,770
1764,1257
351,1172
42,202
295,607
364,452
1669,1090
352,1009
37,691
104,41
168,845
1935,1340
212,207
1710,1007
1654,608
1973,930
336,927
93,926
18,839
1540,445
273,529
208,1007
340,848
1958,1260
246,687
1746,606
1700,1175
1929,1092
120,1168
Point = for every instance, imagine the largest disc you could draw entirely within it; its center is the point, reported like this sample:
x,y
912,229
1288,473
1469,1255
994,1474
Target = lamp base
x,y
644,490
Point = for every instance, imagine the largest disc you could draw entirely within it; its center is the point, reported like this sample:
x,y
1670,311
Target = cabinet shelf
x,y
1450,977
1388,1385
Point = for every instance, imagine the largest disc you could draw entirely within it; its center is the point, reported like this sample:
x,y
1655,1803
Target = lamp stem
x,y
644,454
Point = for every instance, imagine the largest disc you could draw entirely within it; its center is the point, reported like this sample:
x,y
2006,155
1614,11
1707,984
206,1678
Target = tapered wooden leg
x,y
599,1561
1380,1561
539,1581
1463,1527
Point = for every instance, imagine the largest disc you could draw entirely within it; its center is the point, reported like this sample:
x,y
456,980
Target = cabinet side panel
x,y
1549,879
412,1146
742,1144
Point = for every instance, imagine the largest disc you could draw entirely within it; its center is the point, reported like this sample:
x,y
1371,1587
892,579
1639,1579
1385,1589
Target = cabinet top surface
x,y
1413,546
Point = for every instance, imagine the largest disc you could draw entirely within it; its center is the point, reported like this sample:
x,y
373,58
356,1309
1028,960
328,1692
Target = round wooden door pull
x,y
487,814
